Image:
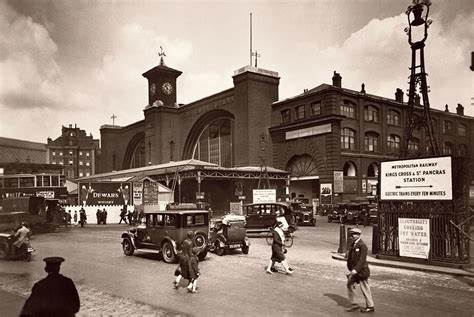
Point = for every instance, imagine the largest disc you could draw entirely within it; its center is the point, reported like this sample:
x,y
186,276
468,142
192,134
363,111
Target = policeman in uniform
x,y
358,272
55,295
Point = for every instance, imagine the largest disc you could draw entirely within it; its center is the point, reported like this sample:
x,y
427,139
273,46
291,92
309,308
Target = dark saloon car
x,y
164,231
262,216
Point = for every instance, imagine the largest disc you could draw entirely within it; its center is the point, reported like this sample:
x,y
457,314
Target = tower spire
x,y
161,54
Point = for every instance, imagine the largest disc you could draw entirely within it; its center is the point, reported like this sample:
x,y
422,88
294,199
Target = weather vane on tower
x,y
161,54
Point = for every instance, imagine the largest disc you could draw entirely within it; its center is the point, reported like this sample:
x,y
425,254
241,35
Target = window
x,y
88,164
54,180
300,113
46,181
195,220
54,153
71,162
373,170
348,139
371,114
88,174
61,163
80,163
447,148
316,108
80,174
87,154
371,142
349,169
447,127
348,109
215,143
80,153
70,152
285,116
462,150
393,118
53,162
60,153
413,144
393,142
462,129
170,220
39,181
27,182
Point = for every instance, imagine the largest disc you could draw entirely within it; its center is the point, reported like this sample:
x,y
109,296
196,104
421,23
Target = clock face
x,y
167,88
152,88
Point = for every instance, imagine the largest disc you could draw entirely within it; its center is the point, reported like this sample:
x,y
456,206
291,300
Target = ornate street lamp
x,y
417,14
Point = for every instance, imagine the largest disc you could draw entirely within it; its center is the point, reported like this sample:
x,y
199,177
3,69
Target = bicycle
x,y
288,238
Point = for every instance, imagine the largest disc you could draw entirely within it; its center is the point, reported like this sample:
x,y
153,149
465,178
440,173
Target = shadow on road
x,y
340,301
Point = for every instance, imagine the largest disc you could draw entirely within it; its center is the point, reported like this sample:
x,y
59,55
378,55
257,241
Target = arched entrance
x,y
135,153
304,176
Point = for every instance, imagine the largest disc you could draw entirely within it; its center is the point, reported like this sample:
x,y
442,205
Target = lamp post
x,y
417,15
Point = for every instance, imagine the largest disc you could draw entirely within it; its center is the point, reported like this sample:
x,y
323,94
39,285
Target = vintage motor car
x,y
261,217
338,213
304,213
229,233
164,231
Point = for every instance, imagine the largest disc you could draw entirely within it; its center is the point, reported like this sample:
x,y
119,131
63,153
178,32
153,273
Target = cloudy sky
x,y
79,62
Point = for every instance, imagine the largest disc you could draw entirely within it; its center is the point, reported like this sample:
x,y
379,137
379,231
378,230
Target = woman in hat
x,y
277,250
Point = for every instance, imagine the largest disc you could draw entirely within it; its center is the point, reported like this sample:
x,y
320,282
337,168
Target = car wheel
x,y
199,240
168,252
202,255
245,249
127,246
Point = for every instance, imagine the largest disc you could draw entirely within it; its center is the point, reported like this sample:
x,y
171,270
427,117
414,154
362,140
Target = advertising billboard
x,y
110,193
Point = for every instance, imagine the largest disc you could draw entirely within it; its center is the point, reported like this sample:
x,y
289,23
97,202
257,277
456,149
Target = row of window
x,y
71,162
33,181
81,153
371,143
300,112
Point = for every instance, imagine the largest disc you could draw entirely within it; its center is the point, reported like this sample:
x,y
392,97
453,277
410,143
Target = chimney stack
x,y
446,108
336,80
460,109
399,95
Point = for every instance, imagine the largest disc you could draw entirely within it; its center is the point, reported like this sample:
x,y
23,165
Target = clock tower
x,y
162,84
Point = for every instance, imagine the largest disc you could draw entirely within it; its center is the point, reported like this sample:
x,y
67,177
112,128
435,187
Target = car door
x,y
157,232
251,216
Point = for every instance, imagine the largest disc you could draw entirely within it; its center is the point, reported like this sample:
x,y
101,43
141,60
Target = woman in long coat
x,y
277,250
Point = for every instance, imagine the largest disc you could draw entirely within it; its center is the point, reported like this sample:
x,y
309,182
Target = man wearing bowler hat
x,y
358,272
55,295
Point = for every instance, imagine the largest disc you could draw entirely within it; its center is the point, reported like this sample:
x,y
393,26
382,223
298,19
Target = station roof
x,y
138,174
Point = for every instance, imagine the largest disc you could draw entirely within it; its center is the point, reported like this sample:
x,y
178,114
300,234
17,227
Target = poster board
x,y
264,196
338,182
417,179
414,237
326,194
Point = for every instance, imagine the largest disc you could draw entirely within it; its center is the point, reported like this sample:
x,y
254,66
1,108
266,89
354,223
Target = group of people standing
x,y
132,217
101,216
188,267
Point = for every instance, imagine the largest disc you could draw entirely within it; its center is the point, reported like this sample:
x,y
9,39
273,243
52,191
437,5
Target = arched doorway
x,y
135,154
304,178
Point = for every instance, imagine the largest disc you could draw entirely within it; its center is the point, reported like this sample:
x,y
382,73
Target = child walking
x,y
193,270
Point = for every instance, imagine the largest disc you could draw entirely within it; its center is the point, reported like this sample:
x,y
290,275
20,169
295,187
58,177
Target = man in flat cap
x,y
55,295
358,272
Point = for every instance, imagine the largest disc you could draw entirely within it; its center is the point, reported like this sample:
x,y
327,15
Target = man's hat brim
x,y
53,260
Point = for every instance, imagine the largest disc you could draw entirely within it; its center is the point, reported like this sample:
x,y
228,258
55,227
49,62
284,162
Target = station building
x,y
325,144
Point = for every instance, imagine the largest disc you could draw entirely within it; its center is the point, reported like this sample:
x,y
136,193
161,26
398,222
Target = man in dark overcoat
x,y
358,272
55,295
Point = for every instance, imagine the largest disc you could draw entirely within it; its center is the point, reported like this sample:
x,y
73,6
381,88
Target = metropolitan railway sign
x,y
419,179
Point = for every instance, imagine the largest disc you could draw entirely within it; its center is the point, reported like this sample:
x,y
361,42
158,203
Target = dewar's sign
x,y
104,193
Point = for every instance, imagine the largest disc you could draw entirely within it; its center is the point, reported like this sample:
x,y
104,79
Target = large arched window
x,y
302,165
138,155
349,169
393,118
215,143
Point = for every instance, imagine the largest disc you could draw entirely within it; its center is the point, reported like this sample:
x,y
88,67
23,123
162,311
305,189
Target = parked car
x,y
304,213
262,216
164,231
338,213
229,233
